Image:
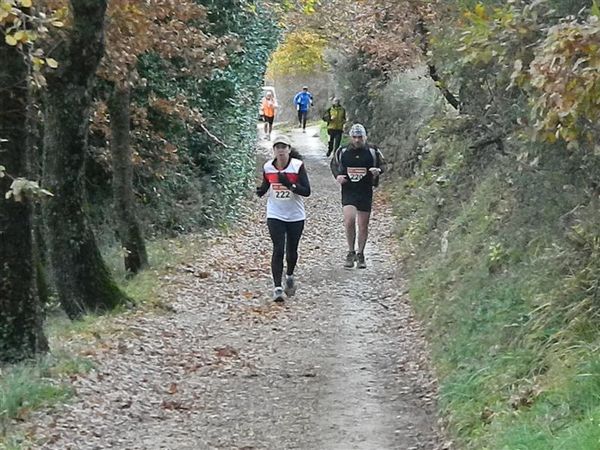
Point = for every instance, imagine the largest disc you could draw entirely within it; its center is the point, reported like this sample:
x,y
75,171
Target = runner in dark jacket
x,y
357,168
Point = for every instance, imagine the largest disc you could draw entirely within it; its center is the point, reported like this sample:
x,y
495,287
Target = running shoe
x,y
290,286
278,294
350,259
360,258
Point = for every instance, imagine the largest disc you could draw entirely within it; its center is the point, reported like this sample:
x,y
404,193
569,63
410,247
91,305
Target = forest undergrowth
x,y
503,260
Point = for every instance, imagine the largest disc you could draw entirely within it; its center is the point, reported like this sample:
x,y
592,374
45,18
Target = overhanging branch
x,y
450,98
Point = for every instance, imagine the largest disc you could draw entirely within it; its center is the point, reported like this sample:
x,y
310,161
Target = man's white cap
x,y
358,130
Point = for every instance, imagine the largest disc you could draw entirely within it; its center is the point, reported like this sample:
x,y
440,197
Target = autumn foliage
x,y
300,53
552,62
565,74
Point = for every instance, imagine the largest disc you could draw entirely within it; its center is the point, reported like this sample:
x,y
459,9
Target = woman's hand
x,y
283,179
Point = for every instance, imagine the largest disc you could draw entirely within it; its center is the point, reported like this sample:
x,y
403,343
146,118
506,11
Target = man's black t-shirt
x,y
355,163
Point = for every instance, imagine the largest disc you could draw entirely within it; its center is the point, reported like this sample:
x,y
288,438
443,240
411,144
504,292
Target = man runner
x,y
303,100
357,168
335,116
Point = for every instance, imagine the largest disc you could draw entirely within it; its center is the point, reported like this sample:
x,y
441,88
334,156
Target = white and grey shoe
x,y
278,294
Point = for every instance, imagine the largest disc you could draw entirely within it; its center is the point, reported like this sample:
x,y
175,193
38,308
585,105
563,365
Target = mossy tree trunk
x,y
21,316
83,282
129,230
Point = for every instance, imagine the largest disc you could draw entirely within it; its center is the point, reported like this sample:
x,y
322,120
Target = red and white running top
x,y
282,203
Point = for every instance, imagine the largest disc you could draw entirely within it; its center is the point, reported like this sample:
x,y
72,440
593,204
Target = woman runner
x,y
286,180
267,109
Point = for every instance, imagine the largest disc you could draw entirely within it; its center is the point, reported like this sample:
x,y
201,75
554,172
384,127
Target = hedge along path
x,y
340,366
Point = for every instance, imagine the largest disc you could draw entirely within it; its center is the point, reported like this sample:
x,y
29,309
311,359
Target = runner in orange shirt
x,y
267,109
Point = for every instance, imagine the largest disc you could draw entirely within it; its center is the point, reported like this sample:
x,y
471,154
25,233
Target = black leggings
x,y
278,229
335,138
302,116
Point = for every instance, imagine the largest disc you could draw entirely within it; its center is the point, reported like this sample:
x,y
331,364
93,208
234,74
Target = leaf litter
x,y
342,365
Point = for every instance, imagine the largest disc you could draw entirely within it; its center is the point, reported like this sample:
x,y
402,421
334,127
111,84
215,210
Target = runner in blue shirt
x,y
303,100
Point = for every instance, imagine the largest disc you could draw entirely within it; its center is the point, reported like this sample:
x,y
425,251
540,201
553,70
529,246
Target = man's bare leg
x,y
350,225
362,219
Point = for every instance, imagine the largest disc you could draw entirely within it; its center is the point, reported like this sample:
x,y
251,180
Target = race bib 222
x,y
281,192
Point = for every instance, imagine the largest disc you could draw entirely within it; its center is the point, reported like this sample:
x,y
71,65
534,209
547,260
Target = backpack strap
x,y
378,158
335,164
373,155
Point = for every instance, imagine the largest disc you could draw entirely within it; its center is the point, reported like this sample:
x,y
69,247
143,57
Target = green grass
x,y
510,308
144,288
37,384
14,442
565,418
29,386
24,389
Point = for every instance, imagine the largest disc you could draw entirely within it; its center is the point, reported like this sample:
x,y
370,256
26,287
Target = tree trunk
x,y
129,230
83,282
424,44
21,316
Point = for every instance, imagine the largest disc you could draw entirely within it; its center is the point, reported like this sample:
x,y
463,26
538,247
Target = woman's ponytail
x,y
294,153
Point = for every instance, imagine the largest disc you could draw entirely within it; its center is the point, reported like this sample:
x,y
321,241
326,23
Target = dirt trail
x,y
340,366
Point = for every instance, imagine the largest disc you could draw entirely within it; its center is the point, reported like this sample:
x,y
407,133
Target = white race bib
x,y
280,192
356,174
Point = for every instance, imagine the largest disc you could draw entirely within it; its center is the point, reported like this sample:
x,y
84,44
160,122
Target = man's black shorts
x,y
362,200
269,119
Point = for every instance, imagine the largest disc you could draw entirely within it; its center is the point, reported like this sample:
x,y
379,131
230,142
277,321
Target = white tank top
x,y
282,203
